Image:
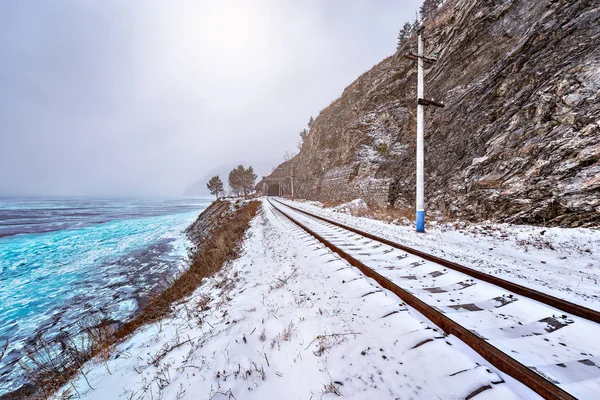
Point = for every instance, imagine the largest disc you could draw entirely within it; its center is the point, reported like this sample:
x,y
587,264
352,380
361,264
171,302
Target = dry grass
x,y
283,280
222,246
50,365
374,212
331,204
331,388
385,214
399,215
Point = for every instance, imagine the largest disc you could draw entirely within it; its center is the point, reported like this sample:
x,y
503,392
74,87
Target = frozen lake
x,y
61,259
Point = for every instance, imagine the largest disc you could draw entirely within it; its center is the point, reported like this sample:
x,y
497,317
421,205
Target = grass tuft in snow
x,y
331,388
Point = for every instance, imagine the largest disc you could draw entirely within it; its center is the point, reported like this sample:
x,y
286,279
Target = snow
x,y
536,335
291,320
352,206
562,262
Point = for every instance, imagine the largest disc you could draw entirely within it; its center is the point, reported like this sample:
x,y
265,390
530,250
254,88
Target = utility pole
x,y
421,102
420,144
292,179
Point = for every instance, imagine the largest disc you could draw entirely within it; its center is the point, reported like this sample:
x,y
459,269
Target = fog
x,y
140,97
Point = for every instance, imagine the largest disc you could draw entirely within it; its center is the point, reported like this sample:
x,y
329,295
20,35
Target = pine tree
x,y
416,23
248,180
242,180
303,134
428,8
215,185
235,179
311,122
405,33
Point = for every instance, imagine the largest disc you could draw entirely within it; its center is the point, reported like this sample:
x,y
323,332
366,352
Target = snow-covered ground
x,y
563,262
290,320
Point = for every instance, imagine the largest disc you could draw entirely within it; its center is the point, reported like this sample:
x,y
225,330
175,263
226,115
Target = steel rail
x,y
497,358
563,305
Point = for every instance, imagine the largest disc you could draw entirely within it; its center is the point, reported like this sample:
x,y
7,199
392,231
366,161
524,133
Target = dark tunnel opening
x,y
273,190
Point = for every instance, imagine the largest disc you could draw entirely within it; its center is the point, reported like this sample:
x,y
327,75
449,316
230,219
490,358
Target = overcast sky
x,y
141,97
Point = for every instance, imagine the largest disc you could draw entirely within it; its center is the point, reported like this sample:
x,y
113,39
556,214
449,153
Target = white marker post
x,y
292,179
420,144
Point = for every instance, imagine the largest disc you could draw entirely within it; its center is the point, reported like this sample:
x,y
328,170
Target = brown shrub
x,y
221,246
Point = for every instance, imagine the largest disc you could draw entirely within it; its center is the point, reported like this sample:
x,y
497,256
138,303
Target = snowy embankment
x,y
290,320
563,262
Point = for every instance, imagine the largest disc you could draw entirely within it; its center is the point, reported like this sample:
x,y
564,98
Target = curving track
x,y
523,333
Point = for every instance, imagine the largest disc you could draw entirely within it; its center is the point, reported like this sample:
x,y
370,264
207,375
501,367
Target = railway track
x,y
546,343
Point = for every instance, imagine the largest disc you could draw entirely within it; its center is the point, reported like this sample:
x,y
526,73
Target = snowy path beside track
x,y
562,262
290,320
559,347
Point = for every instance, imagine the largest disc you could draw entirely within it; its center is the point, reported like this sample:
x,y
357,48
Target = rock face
x,y
518,141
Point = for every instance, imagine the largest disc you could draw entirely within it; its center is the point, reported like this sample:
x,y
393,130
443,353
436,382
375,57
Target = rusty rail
x,y
497,358
563,305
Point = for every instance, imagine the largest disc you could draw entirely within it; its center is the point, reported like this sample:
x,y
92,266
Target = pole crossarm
x,y
415,56
425,102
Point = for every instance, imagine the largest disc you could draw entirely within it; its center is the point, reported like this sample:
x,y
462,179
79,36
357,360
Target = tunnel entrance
x,y
273,190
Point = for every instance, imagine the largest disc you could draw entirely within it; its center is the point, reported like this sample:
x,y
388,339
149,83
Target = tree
x,y
428,8
416,23
408,30
235,179
303,134
215,185
288,156
248,180
242,180
405,33
311,122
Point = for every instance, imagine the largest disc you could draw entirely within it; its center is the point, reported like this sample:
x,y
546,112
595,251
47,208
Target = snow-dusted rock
x,y
517,141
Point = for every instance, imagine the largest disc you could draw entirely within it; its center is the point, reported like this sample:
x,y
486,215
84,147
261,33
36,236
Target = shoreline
x,y
101,321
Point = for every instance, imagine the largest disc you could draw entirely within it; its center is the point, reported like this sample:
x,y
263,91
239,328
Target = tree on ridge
x,y
215,185
428,8
242,180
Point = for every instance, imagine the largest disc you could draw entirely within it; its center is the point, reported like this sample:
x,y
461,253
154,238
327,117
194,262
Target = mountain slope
x,y
518,141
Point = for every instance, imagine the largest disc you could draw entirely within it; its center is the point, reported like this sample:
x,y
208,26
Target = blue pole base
x,y
420,220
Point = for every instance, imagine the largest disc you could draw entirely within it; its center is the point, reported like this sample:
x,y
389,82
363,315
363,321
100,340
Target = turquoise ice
x,y
49,280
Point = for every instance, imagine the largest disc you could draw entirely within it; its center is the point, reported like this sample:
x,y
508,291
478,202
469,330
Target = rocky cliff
x,y
518,140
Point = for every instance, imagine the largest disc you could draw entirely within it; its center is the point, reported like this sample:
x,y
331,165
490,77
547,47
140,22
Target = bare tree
x,y
288,155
